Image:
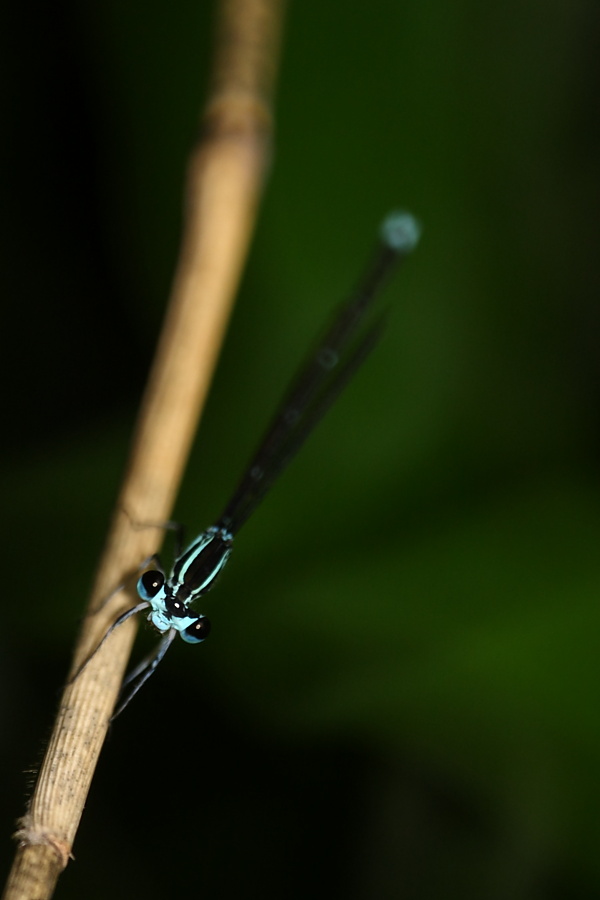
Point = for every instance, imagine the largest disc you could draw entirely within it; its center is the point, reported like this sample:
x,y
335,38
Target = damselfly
x,y
325,373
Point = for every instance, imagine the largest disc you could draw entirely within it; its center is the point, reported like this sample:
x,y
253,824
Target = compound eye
x,y
197,631
150,584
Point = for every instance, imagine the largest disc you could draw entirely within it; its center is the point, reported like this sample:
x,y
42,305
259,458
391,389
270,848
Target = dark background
x,y
400,697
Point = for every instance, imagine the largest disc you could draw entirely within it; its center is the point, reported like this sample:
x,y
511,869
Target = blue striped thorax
x,y
193,574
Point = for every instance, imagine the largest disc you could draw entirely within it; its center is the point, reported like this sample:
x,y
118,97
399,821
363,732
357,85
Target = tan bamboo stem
x,y
225,177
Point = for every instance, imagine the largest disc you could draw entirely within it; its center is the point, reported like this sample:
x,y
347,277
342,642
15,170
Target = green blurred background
x,y
400,695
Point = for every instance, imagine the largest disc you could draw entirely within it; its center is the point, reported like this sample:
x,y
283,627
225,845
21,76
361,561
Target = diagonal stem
x,y
225,178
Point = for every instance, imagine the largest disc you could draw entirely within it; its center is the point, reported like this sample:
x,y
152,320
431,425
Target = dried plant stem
x,y
224,183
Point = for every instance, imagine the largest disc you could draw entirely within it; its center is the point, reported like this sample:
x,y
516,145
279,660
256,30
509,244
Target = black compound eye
x,y
197,631
150,584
